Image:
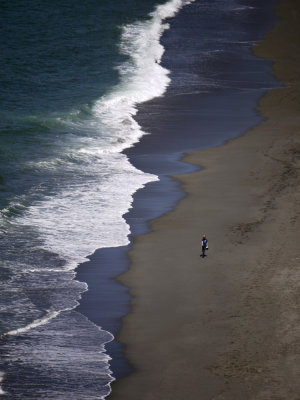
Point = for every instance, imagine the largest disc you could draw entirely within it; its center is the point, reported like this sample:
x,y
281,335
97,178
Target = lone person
x,y
204,245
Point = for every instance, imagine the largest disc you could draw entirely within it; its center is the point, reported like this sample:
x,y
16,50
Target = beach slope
x,y
226,326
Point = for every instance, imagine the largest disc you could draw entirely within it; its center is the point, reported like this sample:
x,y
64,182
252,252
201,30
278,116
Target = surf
x,y
86,184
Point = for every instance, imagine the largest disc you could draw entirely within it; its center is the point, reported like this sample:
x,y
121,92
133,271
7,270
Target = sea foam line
x,y
34,324
142,78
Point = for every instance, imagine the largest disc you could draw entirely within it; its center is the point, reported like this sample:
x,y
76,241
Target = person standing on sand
x,y
204,245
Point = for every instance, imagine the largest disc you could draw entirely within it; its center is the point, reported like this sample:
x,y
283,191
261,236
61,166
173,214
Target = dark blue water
x,y
72,157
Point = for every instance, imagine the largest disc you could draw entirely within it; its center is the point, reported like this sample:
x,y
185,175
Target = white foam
x,y
142,78
88,215
38,322
1,379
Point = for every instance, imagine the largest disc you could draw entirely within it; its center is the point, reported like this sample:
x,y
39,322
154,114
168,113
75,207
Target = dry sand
x,y
226,326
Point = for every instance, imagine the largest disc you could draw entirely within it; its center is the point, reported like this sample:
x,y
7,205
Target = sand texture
x,y
226,326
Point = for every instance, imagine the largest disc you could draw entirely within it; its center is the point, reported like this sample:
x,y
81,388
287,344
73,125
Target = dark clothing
x,y
204,246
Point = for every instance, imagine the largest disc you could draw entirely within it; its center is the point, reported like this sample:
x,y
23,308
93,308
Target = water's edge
x,y
107,301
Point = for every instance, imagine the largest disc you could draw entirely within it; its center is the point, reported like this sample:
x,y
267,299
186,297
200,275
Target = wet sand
x,y
226,326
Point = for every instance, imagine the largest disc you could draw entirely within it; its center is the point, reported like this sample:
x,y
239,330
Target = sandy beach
x,y
226,326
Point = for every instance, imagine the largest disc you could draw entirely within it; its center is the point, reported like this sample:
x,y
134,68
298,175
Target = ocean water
x,y
72,75
72,156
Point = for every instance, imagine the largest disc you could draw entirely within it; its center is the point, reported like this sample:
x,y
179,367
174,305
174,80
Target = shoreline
x,y
160,153
223,327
